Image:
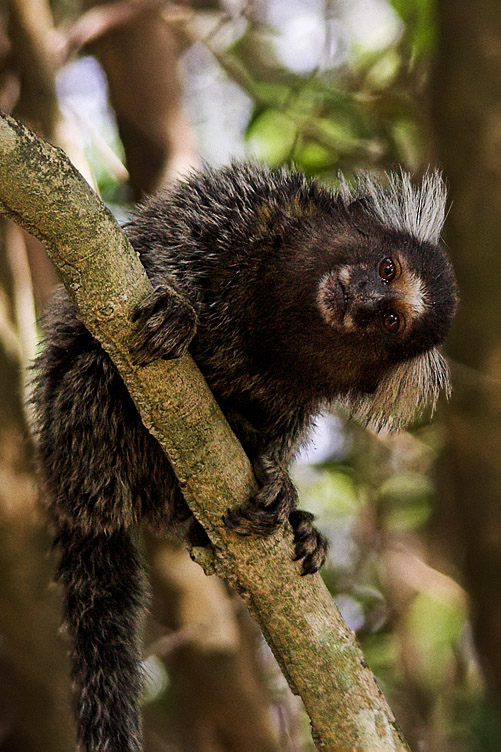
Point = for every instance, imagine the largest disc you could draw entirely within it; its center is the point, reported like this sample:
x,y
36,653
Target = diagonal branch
x,y
319,655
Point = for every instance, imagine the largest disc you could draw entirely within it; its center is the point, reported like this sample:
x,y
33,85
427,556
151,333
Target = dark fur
x,y
235,258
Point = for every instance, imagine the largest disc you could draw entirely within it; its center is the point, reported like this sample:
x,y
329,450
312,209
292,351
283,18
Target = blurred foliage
x,y
420,30
362,112
376,504
365,110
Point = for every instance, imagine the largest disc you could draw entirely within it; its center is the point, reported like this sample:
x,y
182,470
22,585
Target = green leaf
x,y
271,137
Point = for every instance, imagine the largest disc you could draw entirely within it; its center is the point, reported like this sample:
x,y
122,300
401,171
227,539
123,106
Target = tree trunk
x,y
467,114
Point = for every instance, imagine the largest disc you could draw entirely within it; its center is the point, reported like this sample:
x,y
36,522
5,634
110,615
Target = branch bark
x,y
319,655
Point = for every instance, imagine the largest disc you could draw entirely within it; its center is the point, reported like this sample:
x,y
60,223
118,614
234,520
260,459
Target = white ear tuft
x,y
400,205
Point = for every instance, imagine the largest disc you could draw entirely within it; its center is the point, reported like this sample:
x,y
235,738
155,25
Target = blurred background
x,y
140,91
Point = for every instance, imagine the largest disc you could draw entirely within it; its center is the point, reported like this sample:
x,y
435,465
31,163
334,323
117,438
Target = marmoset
x,y
290,296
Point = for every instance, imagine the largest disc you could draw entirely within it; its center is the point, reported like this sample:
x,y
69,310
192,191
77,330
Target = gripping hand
x,y
165,325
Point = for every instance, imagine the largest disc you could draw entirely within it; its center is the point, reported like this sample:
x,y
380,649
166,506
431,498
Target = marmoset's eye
x,y
387,269
391,321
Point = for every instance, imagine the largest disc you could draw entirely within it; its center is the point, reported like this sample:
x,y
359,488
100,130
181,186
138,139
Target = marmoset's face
x,y
394,295
390,300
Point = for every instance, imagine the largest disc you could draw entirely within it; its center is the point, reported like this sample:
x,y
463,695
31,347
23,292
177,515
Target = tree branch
x,y
319,655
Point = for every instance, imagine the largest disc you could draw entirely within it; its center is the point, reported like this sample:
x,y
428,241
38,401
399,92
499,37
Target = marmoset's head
x,y
391,296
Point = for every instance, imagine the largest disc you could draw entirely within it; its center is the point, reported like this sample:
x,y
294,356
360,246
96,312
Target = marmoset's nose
x,y
366,301
359,280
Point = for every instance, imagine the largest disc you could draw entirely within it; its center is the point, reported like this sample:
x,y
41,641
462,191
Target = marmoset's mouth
x,y
338,299
344,302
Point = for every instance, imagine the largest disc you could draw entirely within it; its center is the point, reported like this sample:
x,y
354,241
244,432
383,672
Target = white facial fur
x,y
415,294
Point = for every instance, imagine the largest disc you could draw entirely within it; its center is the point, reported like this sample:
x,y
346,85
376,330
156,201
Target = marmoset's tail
x,y
104,601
